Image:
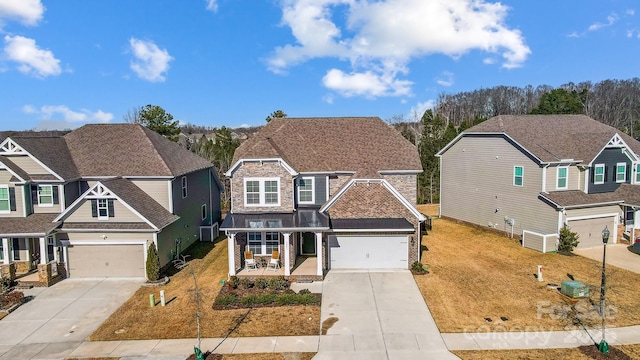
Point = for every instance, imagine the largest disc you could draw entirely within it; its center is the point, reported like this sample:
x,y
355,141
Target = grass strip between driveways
x,y
477,275
137,320
632,351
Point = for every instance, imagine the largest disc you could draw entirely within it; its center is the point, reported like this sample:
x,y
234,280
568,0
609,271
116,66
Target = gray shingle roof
x,y
577,198
52,152
15,168
34,225
129,150
554,137
362,144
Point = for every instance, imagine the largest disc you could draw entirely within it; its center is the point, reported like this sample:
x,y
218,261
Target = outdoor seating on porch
x,y
307,266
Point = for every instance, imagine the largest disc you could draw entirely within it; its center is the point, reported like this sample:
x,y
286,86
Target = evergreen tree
x,y
153,263
155,118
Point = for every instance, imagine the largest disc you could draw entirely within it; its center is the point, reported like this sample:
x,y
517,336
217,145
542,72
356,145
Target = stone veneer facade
x,y
406,185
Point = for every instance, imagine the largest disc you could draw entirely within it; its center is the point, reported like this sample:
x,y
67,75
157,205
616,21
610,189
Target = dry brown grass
x,y
476,273
135,319
269,356
633,351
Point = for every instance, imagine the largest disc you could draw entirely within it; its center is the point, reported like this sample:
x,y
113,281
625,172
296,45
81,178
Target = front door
x,y
308,244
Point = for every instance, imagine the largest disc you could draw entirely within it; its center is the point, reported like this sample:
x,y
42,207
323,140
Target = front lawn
x,y
478,277
135,319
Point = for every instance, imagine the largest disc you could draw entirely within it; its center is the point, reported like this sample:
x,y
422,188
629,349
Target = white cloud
x,y
379,38
28,12
212,5
33,60
446,79
611,19
630,12
64,113
418,109
151,63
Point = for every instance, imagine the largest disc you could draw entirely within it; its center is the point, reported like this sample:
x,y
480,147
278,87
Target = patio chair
x,y
250,261
274,262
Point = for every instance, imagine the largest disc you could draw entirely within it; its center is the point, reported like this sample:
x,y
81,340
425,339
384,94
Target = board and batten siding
x,y
121,214
29,165
609,158
158,189
477,186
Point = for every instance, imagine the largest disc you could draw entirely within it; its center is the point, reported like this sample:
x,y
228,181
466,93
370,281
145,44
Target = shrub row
x,y
288,298
275,283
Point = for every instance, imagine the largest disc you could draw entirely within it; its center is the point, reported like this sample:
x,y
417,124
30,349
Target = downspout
x,y
440,188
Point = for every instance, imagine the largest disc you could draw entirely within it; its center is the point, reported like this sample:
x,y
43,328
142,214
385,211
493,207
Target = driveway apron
x,y
377,315
617,255
61,317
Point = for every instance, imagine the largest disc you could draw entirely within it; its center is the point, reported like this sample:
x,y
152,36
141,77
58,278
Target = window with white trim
x,y
102,208
518,175
5,200
45,195
305,190
184,186
621,172
263,243
598,174
562,176
262,192
637,173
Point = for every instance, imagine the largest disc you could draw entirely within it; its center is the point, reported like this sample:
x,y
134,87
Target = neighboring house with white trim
x,y
90,202
531,175
339,192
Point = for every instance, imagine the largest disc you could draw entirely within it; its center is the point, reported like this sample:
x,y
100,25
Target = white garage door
x,y
590,230
368,252
106,260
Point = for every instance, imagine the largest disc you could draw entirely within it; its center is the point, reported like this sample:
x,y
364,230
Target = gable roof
x,y
552,138
129,150
52,151
132,197
349,144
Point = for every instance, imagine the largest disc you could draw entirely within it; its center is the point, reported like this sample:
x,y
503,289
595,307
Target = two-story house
x,y
532,175
338,192
90,202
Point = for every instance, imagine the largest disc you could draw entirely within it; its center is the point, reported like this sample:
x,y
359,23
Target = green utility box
x,y
574,289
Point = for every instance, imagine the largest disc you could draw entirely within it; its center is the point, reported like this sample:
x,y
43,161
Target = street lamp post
x,y
603,347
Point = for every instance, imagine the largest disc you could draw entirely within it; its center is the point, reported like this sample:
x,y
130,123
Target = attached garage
x,y
590,230
368,251
106,260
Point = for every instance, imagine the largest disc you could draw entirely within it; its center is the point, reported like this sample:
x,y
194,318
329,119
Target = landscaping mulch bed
x,y
257,293
614,353
10,300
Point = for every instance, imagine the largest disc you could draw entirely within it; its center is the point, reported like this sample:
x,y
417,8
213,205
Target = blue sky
x,y
232,62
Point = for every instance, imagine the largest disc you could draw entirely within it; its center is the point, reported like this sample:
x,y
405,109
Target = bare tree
x,y
133,115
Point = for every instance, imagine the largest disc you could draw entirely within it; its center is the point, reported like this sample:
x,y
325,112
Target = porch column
x,y
27,246
65,255
319,254
6,251
287,271
44,256
231,241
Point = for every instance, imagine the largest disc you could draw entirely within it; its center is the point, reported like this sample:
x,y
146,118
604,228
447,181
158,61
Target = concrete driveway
x,y
381,315
617,255
60,317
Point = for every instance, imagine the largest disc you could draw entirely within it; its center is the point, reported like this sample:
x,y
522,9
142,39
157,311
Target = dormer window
x,y
5,202
621,172
598,174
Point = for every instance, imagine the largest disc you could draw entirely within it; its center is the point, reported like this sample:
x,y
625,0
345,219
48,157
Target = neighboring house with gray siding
x,y
90,202
335,192
531,175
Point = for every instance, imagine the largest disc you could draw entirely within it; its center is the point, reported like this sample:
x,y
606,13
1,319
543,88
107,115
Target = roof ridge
x,y
146,131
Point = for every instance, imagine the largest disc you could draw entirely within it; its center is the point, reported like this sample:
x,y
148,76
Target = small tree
x,y
568,240
157,119
153,263
276,114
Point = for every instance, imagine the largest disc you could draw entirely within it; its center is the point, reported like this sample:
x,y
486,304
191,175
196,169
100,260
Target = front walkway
x,y
617,255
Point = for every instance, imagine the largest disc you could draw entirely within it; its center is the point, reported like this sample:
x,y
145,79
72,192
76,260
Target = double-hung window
x,y
184,186
45,195
263,243
103,209
262,192
598,174
637,173
621,172
305,190
562,177
5,201
518,175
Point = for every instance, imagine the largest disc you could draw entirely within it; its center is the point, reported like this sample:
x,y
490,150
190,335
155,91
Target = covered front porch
x,y
29,251
296,239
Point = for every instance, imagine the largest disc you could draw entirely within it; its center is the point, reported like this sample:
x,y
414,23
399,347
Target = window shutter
x,y
94,208
56,199
12,198
34,194
110,203
605,173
